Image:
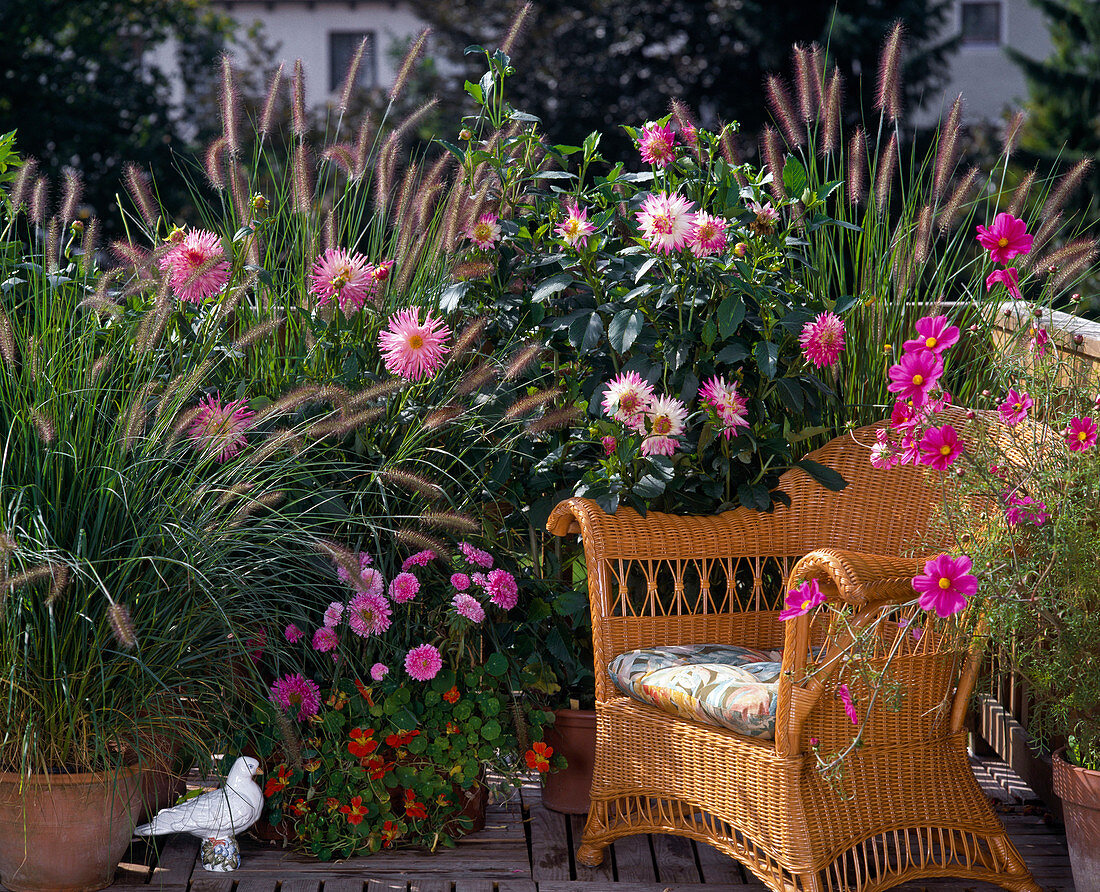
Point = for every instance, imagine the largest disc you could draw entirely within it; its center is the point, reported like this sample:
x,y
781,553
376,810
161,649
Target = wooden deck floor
x,y
526,848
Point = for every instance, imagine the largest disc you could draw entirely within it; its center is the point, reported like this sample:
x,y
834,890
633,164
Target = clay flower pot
x,y
65,832
1079,790
574,736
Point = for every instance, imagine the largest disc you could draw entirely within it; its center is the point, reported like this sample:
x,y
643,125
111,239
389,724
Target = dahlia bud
x,y
465,134
740,249
971,414
176,234
1078,339
985,393
1075,296
609,444
259,203
1037,312
77,227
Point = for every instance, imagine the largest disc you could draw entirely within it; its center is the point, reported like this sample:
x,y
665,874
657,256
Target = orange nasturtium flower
x,y
452,695
278,781
538,757
362,742
355,810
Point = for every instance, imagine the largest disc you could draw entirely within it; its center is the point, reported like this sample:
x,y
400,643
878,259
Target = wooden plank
x,y
344,884
554,886
429,884
471,884
549,845
517,886
675,859
603,873
257,884
208,881
389,884
176,860
634,860
718,867
298,885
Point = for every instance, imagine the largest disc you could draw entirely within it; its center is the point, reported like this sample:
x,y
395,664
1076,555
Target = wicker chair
x,y
907,805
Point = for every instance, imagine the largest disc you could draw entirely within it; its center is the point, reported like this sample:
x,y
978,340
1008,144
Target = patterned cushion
x,y
717,684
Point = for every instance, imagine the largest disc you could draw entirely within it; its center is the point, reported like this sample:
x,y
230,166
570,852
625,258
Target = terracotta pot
x,y
574,736
1079,790
65,832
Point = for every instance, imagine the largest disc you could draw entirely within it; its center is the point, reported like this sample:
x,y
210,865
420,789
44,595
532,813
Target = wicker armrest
x,y
858,578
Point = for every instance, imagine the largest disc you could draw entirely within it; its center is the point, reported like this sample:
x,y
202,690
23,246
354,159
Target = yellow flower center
x,y
806,604
1002,242
573,227
1082,435
483,232
416,342
1016,407
930,343
945,583
945,449
662,425
918,380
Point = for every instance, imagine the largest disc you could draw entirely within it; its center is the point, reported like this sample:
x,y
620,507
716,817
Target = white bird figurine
x,y
216,817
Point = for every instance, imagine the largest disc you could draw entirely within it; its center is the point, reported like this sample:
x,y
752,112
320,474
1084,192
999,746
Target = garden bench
x,y
906,804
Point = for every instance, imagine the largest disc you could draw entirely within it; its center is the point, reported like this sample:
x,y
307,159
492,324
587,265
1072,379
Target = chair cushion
x,y
717,684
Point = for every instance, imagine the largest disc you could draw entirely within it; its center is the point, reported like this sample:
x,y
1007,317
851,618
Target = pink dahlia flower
x,y
666,222
475,555
325,639
295,693
423,662
343,276
709,235
1009,277
626,399
502,589
368,614
914,375
665,421
1006,238
933,333
939,447
333,614
420,559
822,340
404,587
219,427
656,144
575,228
379,671
292,633
460,581
369,579
486,231
845,696
1080,434
468,606
802,600
727,404
196,266
946,584
1014,409
412,349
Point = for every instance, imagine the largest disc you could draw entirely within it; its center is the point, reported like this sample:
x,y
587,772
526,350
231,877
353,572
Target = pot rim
x,y
1058,756
70,779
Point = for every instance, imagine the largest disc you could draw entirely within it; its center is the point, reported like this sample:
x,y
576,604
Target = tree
x,y
77,81
1064,91
596,64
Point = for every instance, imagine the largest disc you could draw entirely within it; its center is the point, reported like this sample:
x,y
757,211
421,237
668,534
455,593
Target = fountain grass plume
x,y
213,164
773,156
298,122
1065,187
229,104
39,208
408,63
454,522
137,187
779,100
411,481
271,102
947,150
808,89
888,85
351,76
73,191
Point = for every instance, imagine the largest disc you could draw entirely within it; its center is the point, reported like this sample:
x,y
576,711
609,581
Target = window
x,y
342,47
980,24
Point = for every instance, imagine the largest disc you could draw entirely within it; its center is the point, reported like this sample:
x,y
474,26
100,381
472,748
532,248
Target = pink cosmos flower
x,y
946,584
333,614
379,671
294,693
933,334
823,340
412,349
845,696
423,662
666,222
1007,277
292,633
575,228
1014,409
368,614
1080,433
610,444
486,231
468,606
656,144
727,404
665,421
197,266
914,375
343,276
404,587
219,427
626,399
802,600
475,555
884,456
325,639
1025,509
1006,238
1040,340
709,235
420,559
939,447
502,589
460,581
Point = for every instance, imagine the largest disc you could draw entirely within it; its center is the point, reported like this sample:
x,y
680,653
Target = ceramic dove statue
x,y
216,817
